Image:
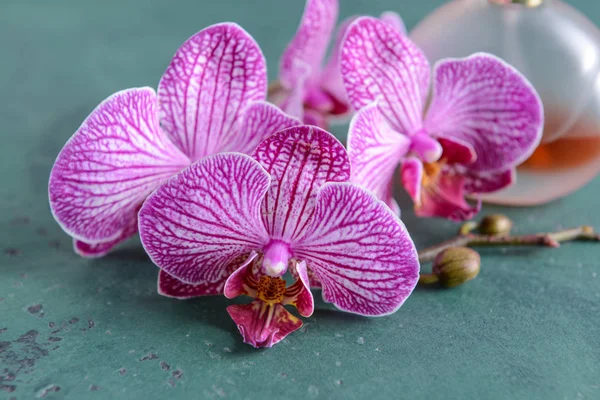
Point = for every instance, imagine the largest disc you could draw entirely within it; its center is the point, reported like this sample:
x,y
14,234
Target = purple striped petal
x,y
375,150
237,283
211,80
195,225
331,78
169,286
488,104
305,52
299,160
394,20
105,171
380,64
262,324
299,294
99,249
313,281
360,251
261,119
488,182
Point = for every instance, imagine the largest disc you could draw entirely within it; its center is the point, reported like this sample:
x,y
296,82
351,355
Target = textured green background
x,y
528,327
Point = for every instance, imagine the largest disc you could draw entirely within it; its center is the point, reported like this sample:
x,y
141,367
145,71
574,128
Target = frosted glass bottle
x,y
558,49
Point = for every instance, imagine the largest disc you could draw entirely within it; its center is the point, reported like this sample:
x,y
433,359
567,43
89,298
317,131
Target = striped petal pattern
x,y
261,119
100,249
211,80
360,251
116,158
303,56
299,160
379,64
195,225
488,104
375,150
169,286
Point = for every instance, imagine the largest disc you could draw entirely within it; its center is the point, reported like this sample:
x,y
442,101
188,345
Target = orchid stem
x,y
468,239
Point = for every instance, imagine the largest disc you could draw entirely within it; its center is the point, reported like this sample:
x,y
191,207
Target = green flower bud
x,y
496,224
456,265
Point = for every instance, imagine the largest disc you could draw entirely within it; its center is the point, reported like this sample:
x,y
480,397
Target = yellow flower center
x,y
271,290
430,173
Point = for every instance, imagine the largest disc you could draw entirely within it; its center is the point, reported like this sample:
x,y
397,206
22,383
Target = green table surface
x,y
527,327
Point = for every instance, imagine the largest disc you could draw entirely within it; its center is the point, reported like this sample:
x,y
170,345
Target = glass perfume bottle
x,y
558,49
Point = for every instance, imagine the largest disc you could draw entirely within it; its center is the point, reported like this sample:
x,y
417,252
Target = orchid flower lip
x,y
525,155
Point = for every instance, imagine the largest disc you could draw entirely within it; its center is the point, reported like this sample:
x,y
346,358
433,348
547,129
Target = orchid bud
x,y
456,265
496,224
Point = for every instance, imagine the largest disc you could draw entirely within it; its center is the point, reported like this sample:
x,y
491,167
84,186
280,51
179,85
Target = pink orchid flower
x,y
305,90
481,119
210,99
235,224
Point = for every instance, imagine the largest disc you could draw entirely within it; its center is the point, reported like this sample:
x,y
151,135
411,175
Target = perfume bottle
x,y
558,49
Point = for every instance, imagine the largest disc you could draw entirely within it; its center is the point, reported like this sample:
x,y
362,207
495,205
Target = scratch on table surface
x,y
8,388
149,356
53,287
177,374
47,390
19,356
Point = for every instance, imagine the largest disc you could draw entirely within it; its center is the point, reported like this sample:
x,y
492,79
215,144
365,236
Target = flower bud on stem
x,y
494,230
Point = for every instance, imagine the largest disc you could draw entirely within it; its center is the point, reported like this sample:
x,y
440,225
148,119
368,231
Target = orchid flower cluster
x,y
231,194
